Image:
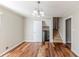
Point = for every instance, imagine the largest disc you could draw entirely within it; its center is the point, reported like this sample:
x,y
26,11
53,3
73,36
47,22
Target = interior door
x,y
68,32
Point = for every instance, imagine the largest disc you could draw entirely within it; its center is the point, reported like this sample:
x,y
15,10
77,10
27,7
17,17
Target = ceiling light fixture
x,y
37,12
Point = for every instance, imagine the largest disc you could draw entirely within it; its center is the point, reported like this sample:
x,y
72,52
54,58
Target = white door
x,y
37,31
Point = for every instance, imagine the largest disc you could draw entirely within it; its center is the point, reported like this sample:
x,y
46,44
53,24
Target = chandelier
x,y
37,12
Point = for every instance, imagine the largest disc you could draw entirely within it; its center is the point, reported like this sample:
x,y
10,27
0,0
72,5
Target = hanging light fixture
x,y
37,12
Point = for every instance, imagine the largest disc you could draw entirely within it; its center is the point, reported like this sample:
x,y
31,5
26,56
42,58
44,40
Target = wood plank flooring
x,y
40,50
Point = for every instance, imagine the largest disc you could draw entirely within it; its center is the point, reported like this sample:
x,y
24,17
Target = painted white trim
x,y
68,17
32,41
11,48
68,41
75,52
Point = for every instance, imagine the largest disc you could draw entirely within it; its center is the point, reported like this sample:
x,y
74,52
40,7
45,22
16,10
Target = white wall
x,y
11,29
29,34
29,29
37,31
51,30
62,28
74,30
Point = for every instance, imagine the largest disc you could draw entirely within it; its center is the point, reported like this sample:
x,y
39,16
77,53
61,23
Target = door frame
x,y
66,30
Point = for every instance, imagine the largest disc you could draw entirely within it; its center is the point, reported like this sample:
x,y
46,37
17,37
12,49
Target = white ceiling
x,y
51,8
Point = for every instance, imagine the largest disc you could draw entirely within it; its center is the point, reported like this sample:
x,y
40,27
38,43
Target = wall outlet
x,y
6,47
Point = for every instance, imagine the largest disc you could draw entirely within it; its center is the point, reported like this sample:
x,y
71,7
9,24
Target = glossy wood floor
x,y
40,50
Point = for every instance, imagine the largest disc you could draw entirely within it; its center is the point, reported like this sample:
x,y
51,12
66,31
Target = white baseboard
x,y
11,48
28,40
32,41
75,52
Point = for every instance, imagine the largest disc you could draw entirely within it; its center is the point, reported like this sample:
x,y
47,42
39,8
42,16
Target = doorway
x,y
56,35
45,32
68,32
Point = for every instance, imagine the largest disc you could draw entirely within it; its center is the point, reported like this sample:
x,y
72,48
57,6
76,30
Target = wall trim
x,y
32,41
11,48
75,52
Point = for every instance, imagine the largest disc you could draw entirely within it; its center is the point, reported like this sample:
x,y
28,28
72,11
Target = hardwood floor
x,y
68,45
40,50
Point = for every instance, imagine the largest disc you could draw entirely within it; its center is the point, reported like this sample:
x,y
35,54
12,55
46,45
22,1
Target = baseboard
x,y
11,48
68,42
75,52
32,41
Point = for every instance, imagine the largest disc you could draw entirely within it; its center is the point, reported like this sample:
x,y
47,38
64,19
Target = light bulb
x,y
35,12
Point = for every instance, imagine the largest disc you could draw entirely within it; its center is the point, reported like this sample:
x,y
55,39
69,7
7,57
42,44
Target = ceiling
x,y
51,8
